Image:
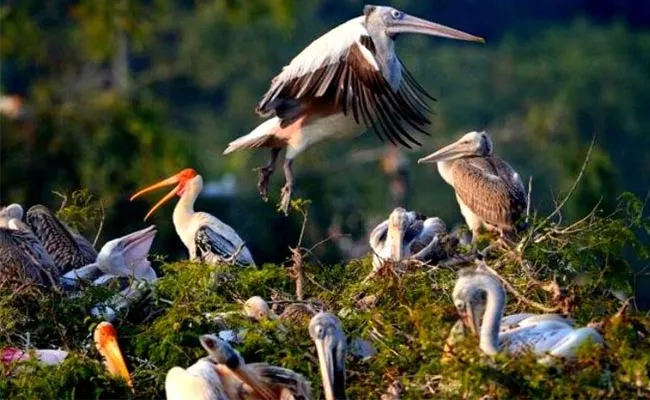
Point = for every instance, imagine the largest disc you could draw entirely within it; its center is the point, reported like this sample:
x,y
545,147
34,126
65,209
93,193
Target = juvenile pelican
x,y
490,193
405,235
325,330
105,337
68,249
344,82
12,211
253,381
206,238
548,337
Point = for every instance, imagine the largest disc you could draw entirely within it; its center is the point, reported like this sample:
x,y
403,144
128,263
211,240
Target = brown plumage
x,y
489,191
68,249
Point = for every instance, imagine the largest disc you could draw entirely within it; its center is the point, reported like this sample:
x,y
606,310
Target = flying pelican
x,y
405,235
490,193
207,238
325,330
344,82
23,258
12,211
548,337
68,249
105,337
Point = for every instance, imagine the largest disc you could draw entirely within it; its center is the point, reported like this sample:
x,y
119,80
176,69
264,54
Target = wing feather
x,y
213,247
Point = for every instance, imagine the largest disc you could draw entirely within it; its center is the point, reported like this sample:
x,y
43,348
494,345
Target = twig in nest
x,y
296,272
231,260
101,223
64,197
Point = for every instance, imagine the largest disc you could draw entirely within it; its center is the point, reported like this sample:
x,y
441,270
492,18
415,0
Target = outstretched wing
x,y
213,248
340,69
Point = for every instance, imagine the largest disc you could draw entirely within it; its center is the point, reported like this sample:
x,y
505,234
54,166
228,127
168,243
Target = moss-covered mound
x,y
581,269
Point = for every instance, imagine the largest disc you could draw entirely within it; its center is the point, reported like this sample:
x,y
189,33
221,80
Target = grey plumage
x,y
68,249
23,258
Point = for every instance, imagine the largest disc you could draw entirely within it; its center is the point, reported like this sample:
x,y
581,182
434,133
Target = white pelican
x,y
207,238
405,235
23,258
198,382
12,211
253,381
344,82
548,336
490,193
68,249
105,337
325,330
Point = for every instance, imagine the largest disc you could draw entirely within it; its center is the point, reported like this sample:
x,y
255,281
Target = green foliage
x,y
407,316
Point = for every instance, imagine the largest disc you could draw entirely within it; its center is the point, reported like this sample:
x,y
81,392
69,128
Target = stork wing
x,y
340,69
491,189
213,247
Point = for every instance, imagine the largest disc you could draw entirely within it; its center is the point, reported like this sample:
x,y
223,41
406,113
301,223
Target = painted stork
x,y
253,381
105,338
490,193
327,334
68,249
548,336
344,82
12,211
405,235
206,238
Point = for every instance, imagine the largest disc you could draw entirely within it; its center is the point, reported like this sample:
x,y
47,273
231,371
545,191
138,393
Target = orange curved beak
x,y
173,180
106,341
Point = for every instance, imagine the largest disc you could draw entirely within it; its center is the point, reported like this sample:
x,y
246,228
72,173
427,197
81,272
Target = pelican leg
x,y
264,175
286,189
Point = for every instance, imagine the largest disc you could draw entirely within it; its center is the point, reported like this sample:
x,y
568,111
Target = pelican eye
x,y
396,14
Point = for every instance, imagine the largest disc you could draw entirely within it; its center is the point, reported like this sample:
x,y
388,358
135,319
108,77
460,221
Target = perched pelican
x,y
345,81
198,382
547,336
10,355
325,330
207,238
105,337
12,211
490,193
23,258
405,235
253,381
68,249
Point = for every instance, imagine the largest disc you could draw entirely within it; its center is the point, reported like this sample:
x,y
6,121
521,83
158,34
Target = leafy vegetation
x,y
406,313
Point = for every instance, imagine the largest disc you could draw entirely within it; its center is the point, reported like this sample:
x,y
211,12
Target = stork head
x,y
105,337
472,144
127,255
394,22
325,330
181,180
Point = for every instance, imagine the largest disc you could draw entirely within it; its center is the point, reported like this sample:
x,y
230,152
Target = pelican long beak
x,y
106,341
447,153
137,245
173,180
411,24
331,373
471,321
397,237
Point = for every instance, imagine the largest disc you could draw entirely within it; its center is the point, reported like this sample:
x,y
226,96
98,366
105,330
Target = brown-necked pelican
x,y
23,258
344,82
405,235
68,249
327,334
548,337
12,211
207,238
105,337
256,380
490,193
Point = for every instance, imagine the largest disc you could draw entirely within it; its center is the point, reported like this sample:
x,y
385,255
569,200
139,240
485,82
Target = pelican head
x,y
472,144
12,211
256,308
222,353
325,330
127,255
105,337
180,179
394,22
398,222
470,295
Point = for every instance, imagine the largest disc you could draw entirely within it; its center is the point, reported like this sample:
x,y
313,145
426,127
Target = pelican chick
x,y
547,336
12,211
489,192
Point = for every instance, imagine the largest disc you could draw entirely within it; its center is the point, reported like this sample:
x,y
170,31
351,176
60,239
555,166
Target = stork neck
x,y
489,340
185,206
